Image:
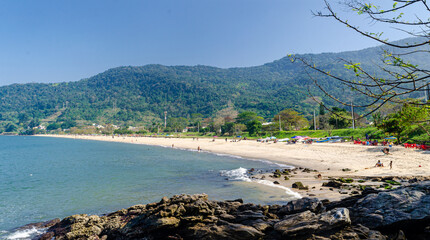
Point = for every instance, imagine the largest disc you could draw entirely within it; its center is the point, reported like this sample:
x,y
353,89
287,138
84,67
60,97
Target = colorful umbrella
x,y
391,137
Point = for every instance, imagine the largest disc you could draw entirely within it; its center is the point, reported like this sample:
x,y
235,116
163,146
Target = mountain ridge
x,y
142,93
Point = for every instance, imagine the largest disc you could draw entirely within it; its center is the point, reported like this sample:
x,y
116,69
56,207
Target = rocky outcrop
x,y
403,213
386,208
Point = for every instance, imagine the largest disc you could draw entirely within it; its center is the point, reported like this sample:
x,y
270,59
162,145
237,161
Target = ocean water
x,y
44,178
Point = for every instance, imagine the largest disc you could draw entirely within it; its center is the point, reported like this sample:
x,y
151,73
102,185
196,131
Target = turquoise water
x,y
43,178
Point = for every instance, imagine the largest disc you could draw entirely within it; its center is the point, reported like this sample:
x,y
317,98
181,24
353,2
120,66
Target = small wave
x,y
288,191
239,174
24,234
228,155
273,163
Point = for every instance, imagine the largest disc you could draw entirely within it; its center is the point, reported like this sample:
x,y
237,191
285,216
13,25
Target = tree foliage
x,y
340,118
247,116
402,122
291,120
254,127
398,74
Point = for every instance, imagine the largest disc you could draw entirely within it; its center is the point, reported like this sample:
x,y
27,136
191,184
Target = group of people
x,y
380,164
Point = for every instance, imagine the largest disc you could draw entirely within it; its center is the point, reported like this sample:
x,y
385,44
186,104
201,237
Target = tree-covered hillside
x,y
142,94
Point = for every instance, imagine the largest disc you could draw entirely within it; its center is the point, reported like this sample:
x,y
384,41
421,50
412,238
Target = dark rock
x,y
249,215
387,207
369,190
46,224
307,223
301,205
403,213
240,200
276,182
299,185
228,231
333,184
414,180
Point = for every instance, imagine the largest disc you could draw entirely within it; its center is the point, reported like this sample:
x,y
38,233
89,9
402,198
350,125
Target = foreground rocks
x,y
403,213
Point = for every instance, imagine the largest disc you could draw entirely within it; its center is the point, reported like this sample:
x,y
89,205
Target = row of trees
x,y
229,122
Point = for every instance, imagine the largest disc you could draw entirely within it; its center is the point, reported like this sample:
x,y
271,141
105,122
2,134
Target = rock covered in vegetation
x,y
398,214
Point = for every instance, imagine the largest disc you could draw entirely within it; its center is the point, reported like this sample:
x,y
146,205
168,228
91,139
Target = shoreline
x,y
330,160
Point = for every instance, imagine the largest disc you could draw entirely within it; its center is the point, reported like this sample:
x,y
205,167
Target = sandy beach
x,y
331,160
327,158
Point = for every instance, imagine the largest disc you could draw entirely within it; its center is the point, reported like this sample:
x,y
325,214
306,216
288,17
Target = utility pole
x,y
352,114
165,119
280,129
315,122
198,127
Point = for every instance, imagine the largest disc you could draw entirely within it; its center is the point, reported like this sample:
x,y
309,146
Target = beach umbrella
x,y
272,138
297,137
391,137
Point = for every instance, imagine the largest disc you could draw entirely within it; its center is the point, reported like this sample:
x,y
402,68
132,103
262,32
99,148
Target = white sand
x,y
328,158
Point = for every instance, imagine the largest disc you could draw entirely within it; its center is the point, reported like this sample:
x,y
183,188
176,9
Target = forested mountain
x,y
144,93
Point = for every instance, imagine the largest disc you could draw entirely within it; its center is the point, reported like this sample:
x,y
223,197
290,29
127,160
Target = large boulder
x,y
312,204
228,231
385,208
307,223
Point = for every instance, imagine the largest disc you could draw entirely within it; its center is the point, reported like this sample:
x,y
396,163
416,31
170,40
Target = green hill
x,y
143,93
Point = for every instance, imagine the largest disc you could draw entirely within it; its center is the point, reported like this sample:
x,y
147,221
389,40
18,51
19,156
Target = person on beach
x,y
173,145
386,151
391,164
379,164
198,149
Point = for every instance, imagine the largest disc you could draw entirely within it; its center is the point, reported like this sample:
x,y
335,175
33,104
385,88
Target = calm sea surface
x,y
43,178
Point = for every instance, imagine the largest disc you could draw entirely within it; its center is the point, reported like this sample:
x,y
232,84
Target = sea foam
x,y
241,174
24,234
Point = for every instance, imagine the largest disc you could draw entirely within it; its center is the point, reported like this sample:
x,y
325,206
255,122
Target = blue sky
x,y
57,41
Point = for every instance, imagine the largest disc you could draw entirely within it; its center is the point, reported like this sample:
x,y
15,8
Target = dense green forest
x,y
126,95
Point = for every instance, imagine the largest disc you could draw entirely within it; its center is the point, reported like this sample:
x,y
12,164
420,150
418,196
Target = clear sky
x,y
67,40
